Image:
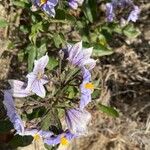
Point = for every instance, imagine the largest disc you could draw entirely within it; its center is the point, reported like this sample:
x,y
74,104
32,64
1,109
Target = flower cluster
x,y
75,3
77,118
48,6
114,4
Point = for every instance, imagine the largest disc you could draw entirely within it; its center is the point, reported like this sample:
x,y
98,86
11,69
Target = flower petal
x,y
38,88
40,64
84,100
77,120
11,112
74,51
18,89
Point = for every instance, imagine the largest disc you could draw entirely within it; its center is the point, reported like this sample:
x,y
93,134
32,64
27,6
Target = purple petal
x,y
77,120
134,15
110,12
89,63
79,56
84,100
38,88
74,51
73,4
18,89
11,112
40,64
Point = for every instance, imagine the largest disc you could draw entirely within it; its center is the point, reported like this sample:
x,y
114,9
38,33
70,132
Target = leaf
x,y
57,40
31,56
131,32
3,23
5,126
36,28
108,110
87,13
100,50
71,91
20,141
90,10
41,51
19,3
51,121
36,113
49,147
52,63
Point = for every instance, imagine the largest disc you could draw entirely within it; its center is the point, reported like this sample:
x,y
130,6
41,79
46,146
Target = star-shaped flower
x,y
37,78
46,5
79,56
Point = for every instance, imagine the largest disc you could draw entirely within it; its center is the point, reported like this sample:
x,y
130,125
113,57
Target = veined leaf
x,y
108,110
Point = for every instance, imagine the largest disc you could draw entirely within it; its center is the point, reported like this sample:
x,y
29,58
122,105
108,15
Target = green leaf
x,y
88,13
71,91
3,23
41,51
5,126
131,32
31,57
22,4
58,40
18,141
108,110
36,28
52,63
100,50
36,113
51,121
49,147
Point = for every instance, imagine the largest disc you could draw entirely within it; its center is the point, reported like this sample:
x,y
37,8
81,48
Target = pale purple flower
x,y
75,3
86,88
77,121
80,56
63,138
18,88
134,15
46,5
37,79
115,4
12,113
110,12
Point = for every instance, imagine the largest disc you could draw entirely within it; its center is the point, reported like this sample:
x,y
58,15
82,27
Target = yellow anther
x,y
64,141
36,137
43,2
89,86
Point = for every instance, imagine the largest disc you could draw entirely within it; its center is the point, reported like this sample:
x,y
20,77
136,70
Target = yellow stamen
x,y
36,137
89,86
43,2
64,141
39,75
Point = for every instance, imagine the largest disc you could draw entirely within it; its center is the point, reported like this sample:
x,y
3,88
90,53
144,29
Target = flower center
x,y
36,137
42,2
64,141
89,86
39,75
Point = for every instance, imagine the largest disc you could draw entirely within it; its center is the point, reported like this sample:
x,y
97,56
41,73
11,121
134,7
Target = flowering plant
x,y
59,84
